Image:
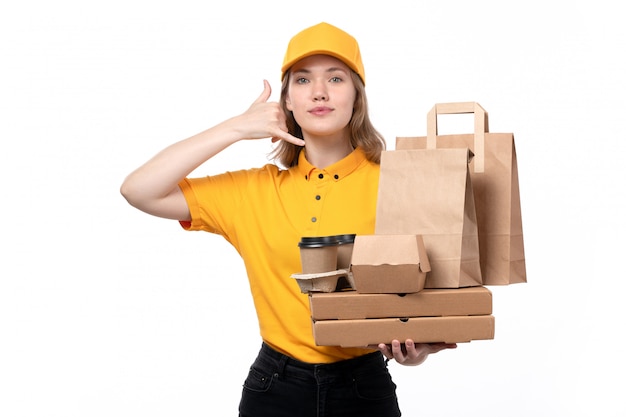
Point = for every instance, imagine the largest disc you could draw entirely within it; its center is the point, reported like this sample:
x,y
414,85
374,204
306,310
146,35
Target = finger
x,y
384,349
265,95
411,349
287,137
396,349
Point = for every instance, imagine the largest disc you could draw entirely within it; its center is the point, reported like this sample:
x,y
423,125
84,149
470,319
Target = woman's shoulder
x,y
267,172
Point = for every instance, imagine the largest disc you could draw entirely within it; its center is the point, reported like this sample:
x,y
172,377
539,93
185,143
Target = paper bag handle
x,y
481,126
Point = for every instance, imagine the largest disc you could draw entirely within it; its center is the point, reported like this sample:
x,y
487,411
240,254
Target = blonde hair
x,y
362,131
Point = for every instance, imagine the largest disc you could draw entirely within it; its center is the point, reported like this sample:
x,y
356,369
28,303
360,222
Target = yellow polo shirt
x,y
263,213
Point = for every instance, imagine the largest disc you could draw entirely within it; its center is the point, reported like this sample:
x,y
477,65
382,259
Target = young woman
x,y
325,183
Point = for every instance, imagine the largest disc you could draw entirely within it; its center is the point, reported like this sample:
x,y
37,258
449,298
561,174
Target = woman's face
x,y
321,96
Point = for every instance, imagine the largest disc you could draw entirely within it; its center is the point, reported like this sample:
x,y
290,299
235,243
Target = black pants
x,y
278,385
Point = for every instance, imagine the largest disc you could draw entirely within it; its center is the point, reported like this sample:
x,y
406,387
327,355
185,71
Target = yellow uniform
x,y
264,213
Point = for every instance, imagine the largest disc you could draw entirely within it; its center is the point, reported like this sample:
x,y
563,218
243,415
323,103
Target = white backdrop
x,y
105,311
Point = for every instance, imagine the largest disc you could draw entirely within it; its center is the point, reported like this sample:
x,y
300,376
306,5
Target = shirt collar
x,y
337,171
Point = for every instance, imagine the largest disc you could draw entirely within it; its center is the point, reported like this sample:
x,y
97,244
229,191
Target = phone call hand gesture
x,y
266,119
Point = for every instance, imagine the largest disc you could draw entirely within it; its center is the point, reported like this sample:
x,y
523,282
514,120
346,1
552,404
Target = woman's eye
x,y
335,79
301,80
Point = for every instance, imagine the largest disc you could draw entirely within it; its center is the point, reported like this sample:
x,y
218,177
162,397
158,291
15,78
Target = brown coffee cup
x,y
318,254
344,250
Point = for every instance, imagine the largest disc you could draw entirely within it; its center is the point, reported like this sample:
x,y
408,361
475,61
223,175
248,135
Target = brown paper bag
x,y
496,190
429,193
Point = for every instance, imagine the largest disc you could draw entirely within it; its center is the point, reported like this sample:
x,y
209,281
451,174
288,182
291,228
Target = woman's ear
x,y
288,103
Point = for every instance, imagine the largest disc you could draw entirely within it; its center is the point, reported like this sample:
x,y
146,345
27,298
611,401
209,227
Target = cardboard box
x,y
389,264
428,302
368,332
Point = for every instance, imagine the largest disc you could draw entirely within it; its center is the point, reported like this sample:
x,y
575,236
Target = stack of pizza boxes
x,y
386,300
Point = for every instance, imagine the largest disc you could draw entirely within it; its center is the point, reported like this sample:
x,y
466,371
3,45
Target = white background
x,y
106,311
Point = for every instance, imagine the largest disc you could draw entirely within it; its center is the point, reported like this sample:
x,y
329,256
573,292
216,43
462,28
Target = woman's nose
x,y
319,92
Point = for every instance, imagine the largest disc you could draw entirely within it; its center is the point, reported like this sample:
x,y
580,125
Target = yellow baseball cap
x,y
326,39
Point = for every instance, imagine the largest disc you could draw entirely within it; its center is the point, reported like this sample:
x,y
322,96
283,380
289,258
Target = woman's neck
x,y
323,152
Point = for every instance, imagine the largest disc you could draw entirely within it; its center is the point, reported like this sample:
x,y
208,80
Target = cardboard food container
x,y
470,301
389,264
371,332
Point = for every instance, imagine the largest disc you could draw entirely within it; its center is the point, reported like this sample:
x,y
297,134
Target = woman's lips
x,y
320,111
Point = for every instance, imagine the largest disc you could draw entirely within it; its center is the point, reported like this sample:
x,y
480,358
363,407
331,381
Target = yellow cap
x,y
326,39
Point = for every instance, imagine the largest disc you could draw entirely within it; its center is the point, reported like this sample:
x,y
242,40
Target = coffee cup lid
x,y
318,242
348,238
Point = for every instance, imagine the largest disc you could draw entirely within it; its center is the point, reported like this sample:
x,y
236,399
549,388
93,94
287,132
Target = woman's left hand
x,y
410,353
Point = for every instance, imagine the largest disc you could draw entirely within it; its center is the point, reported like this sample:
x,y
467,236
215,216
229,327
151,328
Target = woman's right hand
x,y
265,119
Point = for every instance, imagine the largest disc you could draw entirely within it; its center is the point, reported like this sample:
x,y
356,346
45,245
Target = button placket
x,y
320,180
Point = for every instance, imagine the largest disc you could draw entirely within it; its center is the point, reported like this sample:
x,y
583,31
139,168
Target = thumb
x,y
265,95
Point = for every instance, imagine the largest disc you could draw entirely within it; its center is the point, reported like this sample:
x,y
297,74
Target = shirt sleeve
x,y
208,199
215,201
